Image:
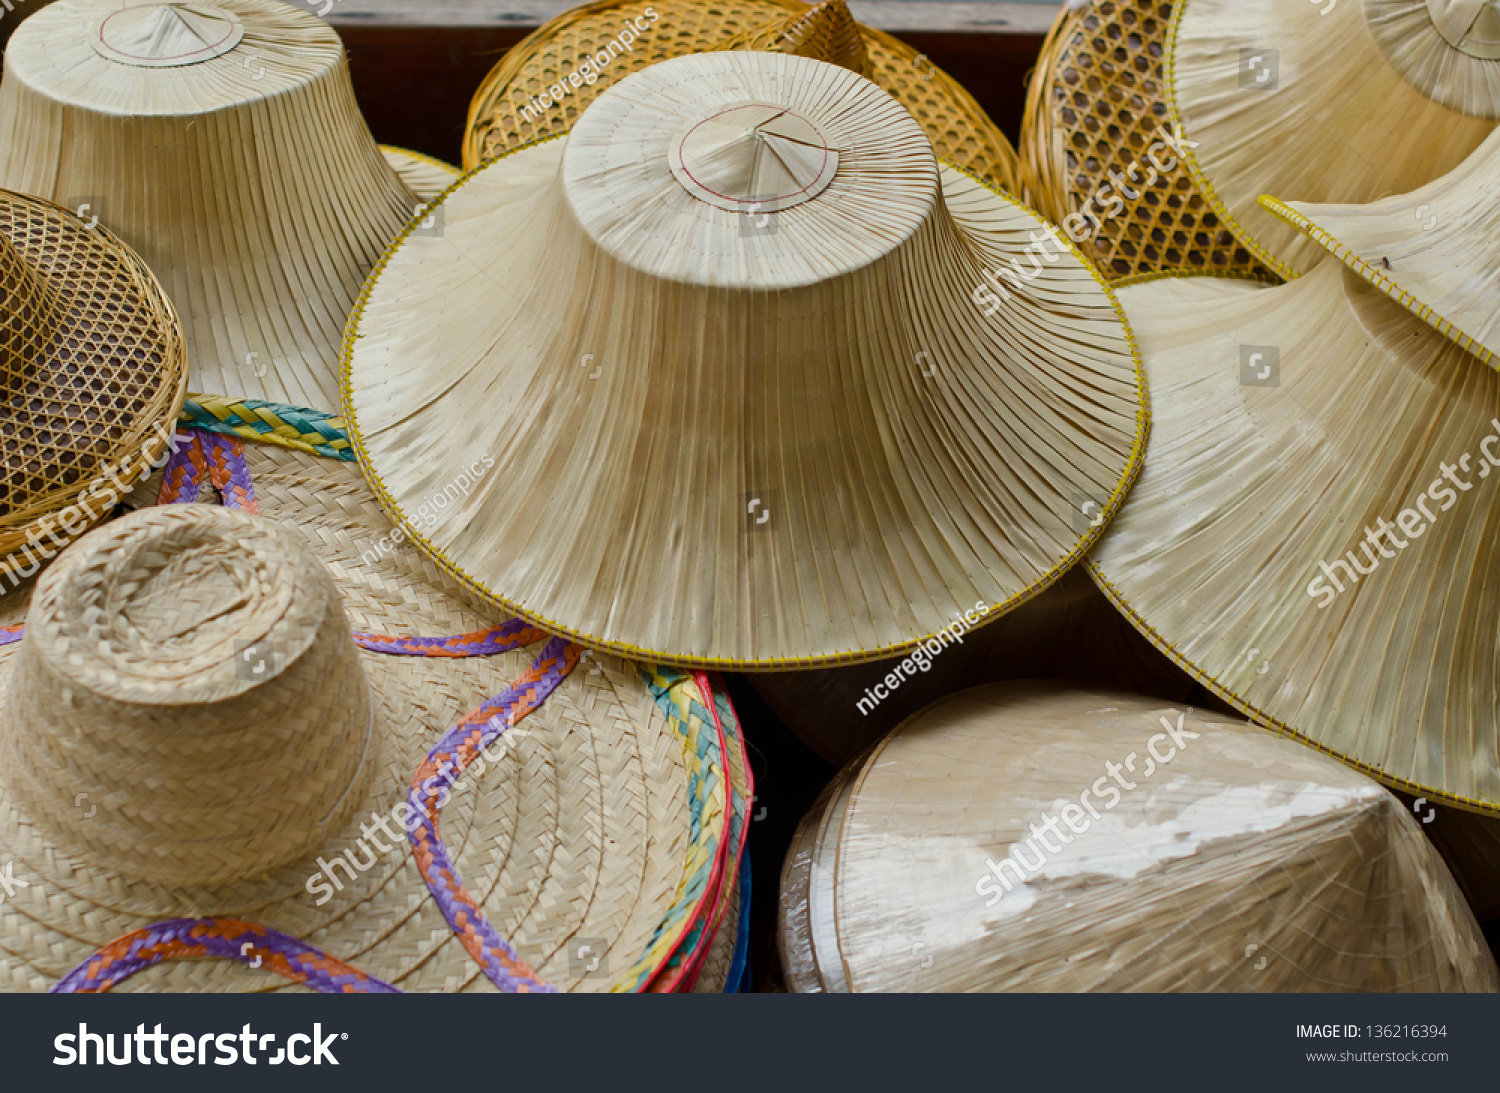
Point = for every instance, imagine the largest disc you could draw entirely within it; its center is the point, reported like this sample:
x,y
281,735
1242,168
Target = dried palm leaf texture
x,y
222,141
1315,529
1100,157
1435,251
424,176
1309,102
1070,631
1032,837
93,372
724,342
542,86
580,822
1470,844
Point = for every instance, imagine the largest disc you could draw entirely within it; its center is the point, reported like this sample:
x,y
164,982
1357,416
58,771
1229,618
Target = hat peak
x,y
1471,26
163,35
754,157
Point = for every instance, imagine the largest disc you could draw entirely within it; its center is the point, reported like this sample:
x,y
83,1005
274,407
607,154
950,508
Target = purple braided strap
x,y
512,635
431,787
183,477
229,472
9,635
225,939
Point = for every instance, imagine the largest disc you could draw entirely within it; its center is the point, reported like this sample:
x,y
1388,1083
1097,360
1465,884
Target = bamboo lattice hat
x,y
1314,529
222,141
92,375
515,105
1037,838
1435,251
185,656
729,353
1313,102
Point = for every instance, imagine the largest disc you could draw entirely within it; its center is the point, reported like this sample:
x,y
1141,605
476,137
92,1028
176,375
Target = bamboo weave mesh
x,y
1095,103
92,366
959,129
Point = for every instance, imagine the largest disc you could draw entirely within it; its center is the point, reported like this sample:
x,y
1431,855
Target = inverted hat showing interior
x,y
1314,530
1315,102
542,86
1435,251
1031,837
221,141
763,383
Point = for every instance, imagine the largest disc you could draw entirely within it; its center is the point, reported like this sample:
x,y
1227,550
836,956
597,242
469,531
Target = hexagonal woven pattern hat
x,y
766,385
223,142
1037,837
583,52
93,370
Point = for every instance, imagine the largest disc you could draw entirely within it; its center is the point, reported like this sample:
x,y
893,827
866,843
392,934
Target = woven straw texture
x,y
959,129
1253,549
1092,147
1070,631
424,176
552,839
1470,845
760,440
249,182
93,371
1294,873
1287,100
1435,251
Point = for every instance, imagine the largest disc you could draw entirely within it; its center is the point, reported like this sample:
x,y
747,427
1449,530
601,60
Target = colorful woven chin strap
x,y
222,460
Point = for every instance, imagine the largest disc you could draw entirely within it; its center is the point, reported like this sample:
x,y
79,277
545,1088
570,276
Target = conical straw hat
x,y
1435,251
93,371
424,176
550,836
221,141
1470,845
1112,821
1070,631
781,436
1312,531
1313,103
604,42
1099,157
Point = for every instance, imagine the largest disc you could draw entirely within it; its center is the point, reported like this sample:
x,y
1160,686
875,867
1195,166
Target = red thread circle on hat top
x,y
167,35
754,157
1471,26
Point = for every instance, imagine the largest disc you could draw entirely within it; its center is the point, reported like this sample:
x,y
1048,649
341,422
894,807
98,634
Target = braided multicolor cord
x,y
430,789
229,472
512,635
225,939
9,635
295,427
183,478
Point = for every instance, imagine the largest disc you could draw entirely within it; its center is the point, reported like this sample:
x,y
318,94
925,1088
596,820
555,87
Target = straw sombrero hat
x,y
1435,251
550,836
93,371
223,142
1312,533
1031,837
1096,120
583,52
765,385
1282,97
1070,631
1364,100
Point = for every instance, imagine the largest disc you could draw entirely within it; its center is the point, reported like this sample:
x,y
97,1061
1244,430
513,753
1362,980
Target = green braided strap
x,y
311,431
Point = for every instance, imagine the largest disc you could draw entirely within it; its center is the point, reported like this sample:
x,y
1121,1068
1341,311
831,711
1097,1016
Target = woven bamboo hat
x,y
730,349
93,371
1369,99
1348,104
1435,251
424,176
223,630
604,42
1032,837
222,141
1316,516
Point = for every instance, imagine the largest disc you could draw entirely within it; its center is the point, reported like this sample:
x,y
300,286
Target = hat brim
x,y
1344,123
98,403
1433,251
1255,495
958,127
598,823
424,176
1038,407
